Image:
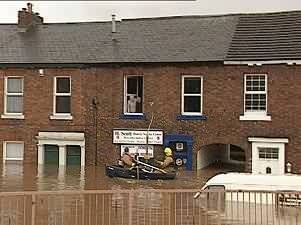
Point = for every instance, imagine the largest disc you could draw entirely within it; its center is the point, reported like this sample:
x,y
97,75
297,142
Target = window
x,y
192,95
62,95
255,93
13,96
255,97
133,97
268,153
13,150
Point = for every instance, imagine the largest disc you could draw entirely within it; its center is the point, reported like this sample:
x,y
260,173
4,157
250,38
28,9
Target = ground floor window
x,y
268,153
73,155
13,150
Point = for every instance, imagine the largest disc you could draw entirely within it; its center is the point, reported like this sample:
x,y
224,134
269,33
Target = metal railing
x,y
150,207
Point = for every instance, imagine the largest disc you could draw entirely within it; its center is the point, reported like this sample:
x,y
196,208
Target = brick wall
x,y
222,104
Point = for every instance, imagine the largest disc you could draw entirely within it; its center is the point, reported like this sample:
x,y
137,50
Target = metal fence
x,y
150,207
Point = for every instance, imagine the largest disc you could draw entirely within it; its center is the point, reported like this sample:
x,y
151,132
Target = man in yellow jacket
x,y
168,161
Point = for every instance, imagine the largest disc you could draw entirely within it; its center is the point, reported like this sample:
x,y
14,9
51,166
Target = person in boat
x,y
168,161
126,159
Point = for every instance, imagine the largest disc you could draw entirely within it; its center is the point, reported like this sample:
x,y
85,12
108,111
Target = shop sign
x,y
137,137
139,150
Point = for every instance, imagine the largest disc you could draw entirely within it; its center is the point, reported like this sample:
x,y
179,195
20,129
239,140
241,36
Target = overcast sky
x,y
72,11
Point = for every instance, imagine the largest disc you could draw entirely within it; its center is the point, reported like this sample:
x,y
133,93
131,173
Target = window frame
x,y
266,153
256,112
125,94
183,95
6,94
5,148
55,94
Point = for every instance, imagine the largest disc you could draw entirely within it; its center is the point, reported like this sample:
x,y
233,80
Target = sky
x,y
76,11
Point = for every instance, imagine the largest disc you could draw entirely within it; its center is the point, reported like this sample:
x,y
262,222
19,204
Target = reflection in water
x,y
27,177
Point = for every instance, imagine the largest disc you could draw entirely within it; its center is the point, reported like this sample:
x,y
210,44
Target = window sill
x,y
13,159
61,117
192,117
7,116
255,117
132,117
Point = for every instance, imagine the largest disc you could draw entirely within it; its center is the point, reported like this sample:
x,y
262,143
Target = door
x,y
51,154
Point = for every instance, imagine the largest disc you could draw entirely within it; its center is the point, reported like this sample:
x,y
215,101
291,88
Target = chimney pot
x,y
113,23
29,6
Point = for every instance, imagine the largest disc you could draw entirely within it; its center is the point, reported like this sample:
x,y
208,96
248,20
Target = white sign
x,y
137,137
138,149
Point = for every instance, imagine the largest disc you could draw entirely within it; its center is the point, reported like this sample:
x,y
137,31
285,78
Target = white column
x,y
82,155
62,155
41,153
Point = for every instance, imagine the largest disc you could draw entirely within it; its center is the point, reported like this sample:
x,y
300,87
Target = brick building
x,y
213,88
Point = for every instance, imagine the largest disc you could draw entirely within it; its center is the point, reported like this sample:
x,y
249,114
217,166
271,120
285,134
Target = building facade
x,y
209,87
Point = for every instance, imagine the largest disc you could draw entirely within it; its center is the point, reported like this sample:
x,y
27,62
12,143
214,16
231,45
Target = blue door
x,y
182,149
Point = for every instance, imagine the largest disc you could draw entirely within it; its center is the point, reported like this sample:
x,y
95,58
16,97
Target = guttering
x,y
263,62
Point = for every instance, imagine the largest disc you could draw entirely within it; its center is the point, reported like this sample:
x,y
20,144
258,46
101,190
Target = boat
x,y
119,171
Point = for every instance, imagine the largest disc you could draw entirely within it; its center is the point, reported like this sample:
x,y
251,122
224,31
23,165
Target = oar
x,y
150,166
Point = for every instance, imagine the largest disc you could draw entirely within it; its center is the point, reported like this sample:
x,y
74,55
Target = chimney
x,y
28,19
113,26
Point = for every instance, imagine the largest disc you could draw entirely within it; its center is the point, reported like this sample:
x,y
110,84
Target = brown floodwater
x,y
28,177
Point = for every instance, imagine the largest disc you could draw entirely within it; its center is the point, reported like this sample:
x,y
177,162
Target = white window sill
x,y
61,117
13,159
255,117
7,116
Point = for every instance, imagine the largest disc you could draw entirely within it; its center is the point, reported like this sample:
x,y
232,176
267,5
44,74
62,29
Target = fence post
x,y
33,209
130,207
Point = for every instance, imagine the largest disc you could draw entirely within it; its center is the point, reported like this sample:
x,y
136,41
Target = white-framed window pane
x,y
192,85
134,94
255,102
63,104
268,153
14,104
14,150
192,104
255,93
192,94
255,83
14,85
63,85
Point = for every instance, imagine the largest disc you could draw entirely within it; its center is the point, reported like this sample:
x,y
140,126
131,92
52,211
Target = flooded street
x,y
16,177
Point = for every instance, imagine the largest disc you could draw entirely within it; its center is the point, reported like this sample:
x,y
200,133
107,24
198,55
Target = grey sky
x,y
71,11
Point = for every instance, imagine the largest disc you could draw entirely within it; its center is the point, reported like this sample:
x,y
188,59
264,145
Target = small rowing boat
x,y
118,171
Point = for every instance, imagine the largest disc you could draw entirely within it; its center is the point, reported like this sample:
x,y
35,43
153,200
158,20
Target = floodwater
x,y
19,177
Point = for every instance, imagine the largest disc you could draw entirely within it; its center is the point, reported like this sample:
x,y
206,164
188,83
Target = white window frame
x,y
4,151
259,142
12,115
125,94
183,95
62,116
267,159
256,114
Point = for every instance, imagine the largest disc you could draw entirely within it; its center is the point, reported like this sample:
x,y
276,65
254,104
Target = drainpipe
x,y
95,106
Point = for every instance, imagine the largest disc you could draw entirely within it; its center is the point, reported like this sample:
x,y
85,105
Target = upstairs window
x,y
62,95
255,98
133,96
192,87
255,93
13,103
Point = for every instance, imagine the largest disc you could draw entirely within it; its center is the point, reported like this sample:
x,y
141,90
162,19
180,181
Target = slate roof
x,y
174,39
267,36
240,37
